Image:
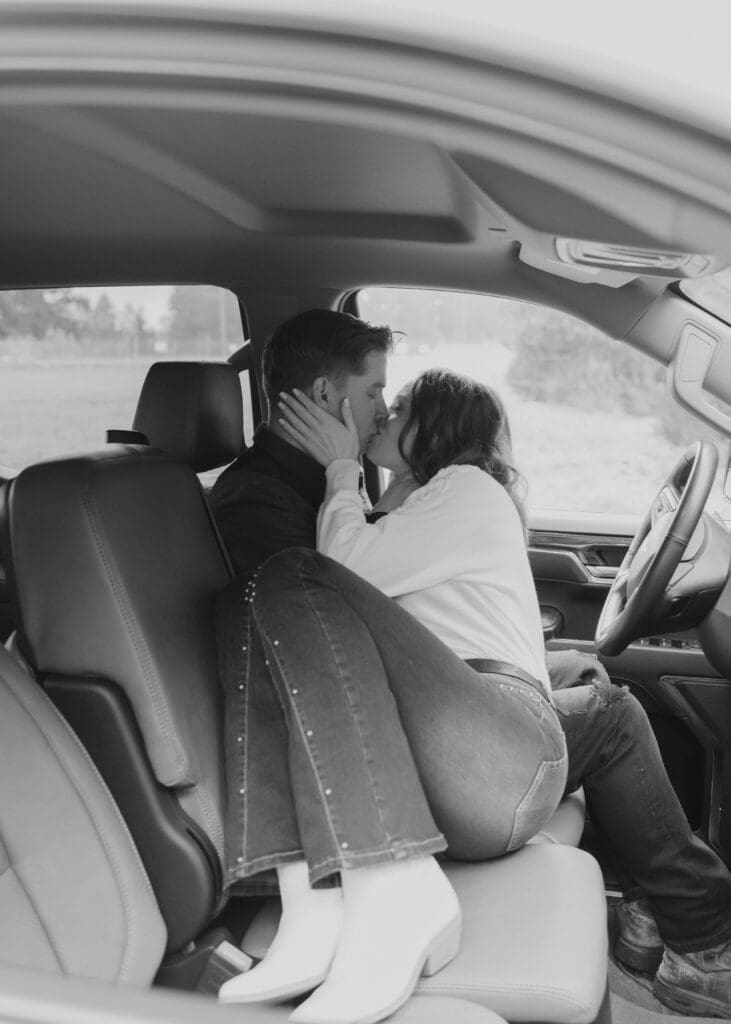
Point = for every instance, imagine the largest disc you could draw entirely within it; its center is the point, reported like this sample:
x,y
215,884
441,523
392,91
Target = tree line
x,y
60,321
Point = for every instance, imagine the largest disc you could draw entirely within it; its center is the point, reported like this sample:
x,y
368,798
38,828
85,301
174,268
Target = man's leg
x,y
614,755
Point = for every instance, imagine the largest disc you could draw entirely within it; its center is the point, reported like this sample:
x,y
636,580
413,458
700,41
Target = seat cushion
x,y
74,898
534,936
38,996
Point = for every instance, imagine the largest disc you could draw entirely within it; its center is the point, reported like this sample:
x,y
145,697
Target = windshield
x,y
712,293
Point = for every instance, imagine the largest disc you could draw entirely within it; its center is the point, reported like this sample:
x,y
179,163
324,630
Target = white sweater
x,y
453,555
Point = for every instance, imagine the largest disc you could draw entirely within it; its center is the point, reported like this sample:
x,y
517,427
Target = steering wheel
x,y
639,595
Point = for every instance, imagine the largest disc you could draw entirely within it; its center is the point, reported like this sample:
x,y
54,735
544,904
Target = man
x,y
676,887
269,498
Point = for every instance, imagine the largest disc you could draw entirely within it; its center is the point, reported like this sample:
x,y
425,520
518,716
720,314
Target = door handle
x,y
602,572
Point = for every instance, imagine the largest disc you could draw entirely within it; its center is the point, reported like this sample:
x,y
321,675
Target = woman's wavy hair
x,y
455,420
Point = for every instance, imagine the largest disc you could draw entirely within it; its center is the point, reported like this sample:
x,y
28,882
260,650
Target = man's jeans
x,y
354,736
613,754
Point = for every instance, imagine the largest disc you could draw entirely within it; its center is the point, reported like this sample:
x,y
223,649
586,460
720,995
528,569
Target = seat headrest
x,y
193,411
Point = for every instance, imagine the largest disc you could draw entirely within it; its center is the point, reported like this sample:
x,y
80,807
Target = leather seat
x,y
74,898
115,564
534,936
192,411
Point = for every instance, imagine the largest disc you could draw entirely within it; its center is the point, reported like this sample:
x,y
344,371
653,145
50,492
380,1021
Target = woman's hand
x,y
396,493
317,431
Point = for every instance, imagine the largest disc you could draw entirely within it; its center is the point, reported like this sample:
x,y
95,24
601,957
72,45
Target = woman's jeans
x,y
355,737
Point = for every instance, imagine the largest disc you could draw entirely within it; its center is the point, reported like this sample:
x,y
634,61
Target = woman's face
x,y
383,449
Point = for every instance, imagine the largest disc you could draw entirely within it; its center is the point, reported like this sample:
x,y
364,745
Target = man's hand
x,y
317,431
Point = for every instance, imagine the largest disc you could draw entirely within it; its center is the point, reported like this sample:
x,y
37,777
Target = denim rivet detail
x,y
241,686
266,662
344,846
242,791
295,692
239,860
239,739
243,648
276,643
328,792
309,732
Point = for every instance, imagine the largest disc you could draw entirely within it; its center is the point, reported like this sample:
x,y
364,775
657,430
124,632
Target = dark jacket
x,y
267,501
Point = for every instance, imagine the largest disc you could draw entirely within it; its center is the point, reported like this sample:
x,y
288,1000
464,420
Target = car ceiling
x,y
162,145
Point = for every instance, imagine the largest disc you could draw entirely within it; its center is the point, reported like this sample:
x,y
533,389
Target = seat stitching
x,y
458,986
40,920
208,806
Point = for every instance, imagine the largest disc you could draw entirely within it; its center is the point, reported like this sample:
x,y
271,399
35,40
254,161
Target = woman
x,y
387,765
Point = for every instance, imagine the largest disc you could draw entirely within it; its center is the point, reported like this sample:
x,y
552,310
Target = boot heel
x,y
444,948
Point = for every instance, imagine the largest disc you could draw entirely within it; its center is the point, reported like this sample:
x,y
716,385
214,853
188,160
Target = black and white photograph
x,y
365,512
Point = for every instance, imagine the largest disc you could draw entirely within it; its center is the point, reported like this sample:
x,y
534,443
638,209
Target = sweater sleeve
x,y
414,547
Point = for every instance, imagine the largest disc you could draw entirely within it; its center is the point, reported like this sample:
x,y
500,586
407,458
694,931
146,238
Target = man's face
x,y
365,392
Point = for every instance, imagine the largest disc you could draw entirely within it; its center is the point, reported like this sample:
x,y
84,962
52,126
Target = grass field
x,y
573,459
53,410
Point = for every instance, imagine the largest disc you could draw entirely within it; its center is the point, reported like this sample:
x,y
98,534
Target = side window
x,y
594,428
74,359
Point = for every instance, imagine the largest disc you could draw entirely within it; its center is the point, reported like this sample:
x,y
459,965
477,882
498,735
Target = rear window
x,y
74,359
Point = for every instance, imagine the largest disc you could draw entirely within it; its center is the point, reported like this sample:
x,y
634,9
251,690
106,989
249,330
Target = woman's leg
x,y
300,956
261,828
338,652
356,793
421,899
488,753
350,666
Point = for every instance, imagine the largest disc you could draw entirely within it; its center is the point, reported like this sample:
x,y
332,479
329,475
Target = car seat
x,y
74,897
113,564
193,411
75,902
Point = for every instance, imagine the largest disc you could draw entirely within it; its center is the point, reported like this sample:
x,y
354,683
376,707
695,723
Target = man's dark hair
x,y
319,343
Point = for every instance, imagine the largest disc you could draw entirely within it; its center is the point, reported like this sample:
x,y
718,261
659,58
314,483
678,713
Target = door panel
x,y
688,704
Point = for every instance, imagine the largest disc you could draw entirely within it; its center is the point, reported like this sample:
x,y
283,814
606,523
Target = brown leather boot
x,y
697,984
638,944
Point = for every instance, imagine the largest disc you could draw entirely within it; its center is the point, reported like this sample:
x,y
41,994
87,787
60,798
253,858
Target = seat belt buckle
x,y
226,961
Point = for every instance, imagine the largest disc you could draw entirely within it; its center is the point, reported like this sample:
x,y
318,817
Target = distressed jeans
x,y
355,737
613,754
